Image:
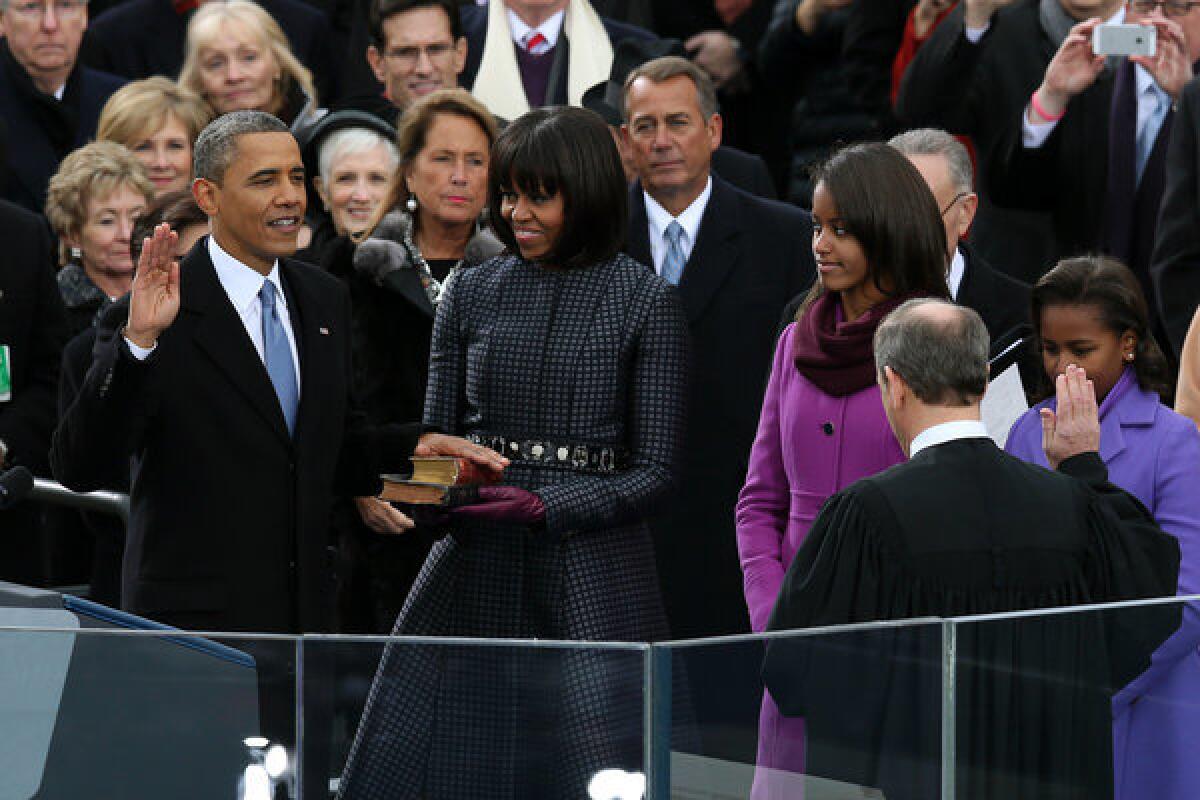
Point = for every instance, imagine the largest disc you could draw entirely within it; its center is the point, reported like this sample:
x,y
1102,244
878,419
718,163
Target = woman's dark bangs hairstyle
x,y
567,151
886,205
1112,289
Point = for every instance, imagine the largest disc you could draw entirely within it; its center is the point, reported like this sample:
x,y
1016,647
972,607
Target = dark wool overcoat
x,y
596,356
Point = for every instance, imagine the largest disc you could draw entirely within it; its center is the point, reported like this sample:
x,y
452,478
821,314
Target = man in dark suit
x,y
746,171
230,388
963,528
736,258
139,38
520,53
1175,267
413,48
1001,301
49,102
1102,177
33,330
975,76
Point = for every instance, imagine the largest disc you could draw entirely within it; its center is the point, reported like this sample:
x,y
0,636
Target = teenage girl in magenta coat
x,y
878,240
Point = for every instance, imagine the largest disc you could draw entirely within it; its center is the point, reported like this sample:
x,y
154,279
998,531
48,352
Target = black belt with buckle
x,y
604,459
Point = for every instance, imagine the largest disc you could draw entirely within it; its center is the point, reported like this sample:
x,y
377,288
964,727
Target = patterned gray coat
x,y
595,357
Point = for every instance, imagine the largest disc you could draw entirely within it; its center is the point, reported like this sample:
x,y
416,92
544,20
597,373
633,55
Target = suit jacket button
x,y
827,428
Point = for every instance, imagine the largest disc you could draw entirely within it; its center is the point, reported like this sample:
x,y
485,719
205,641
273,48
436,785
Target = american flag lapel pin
x,y
323,331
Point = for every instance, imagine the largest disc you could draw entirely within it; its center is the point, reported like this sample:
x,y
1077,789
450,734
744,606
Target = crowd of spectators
x,y
796,169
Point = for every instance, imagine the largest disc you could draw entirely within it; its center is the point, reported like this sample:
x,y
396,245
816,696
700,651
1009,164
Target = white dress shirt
x,y
948,432
242,285
551,29
658,218
958,268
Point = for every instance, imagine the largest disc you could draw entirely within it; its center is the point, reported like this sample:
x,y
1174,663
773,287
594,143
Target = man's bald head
x,y
938,348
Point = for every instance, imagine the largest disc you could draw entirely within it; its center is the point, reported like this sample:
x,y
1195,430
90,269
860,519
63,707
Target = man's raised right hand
x,y
154,301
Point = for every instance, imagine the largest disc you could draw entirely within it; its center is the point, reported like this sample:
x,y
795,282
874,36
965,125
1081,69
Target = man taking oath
x,y
228,383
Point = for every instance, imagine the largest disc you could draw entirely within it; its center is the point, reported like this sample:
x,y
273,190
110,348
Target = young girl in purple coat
x,y
878,240
1091,312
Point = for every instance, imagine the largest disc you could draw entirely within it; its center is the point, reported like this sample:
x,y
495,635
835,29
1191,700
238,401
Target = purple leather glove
x,y
503,504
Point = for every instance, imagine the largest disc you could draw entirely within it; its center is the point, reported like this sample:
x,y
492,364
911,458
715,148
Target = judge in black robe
x,y
961,529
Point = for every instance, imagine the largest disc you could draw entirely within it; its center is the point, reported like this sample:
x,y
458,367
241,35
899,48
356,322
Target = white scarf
x,y
498,83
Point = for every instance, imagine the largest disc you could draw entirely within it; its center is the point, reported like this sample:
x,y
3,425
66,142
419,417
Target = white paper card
x,y
1003,403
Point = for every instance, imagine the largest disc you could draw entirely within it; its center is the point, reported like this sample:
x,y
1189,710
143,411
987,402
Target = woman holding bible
x,y
571,360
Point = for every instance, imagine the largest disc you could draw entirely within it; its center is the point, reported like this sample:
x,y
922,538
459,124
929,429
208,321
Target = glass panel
x,y
90,708
1095,702
458,718
849,711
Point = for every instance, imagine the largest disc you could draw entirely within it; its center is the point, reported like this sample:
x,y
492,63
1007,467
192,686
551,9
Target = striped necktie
x,y
672,266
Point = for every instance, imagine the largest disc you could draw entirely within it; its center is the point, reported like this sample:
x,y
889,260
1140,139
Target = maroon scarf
x,y
837,356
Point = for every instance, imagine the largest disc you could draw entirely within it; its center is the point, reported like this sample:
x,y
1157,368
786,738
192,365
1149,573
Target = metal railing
x,y
54,493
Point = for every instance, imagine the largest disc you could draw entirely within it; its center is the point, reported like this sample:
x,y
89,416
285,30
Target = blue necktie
x,y
1149,132
277,354
672,267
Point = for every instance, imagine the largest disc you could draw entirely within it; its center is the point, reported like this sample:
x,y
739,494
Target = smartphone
x,y
1124,40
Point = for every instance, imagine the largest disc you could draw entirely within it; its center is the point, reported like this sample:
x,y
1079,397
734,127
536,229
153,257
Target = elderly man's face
x,y
420,55
257,209
44,35
670,140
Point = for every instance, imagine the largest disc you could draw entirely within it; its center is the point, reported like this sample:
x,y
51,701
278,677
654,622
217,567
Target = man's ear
x,y
460,57
375,61
716,127
206,193
896,388
970,204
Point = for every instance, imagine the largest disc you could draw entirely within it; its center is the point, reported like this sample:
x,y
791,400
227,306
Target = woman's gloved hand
x,y
502,504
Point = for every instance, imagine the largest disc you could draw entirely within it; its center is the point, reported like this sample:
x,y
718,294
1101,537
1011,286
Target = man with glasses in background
x,y
49,102
416,47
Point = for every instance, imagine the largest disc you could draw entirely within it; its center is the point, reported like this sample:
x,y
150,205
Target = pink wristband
x,y
1041,112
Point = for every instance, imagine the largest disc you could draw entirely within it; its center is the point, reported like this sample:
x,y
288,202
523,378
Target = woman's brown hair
x,y
886,205
414,133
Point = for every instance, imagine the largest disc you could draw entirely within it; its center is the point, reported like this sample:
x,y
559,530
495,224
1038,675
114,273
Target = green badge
x,y
5,375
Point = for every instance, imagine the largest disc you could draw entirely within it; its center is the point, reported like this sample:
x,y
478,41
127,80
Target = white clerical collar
x,y
947,432
241,282
958,268
550,28
689,219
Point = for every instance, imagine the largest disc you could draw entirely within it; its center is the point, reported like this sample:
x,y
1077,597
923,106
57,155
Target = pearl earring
x,y
411,204
76,255
1129,356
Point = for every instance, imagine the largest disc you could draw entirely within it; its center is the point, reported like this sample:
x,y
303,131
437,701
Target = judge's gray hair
x,y
216,146
940,349
935,142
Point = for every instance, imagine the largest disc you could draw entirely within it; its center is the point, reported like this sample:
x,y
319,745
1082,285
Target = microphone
x,y
15,484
